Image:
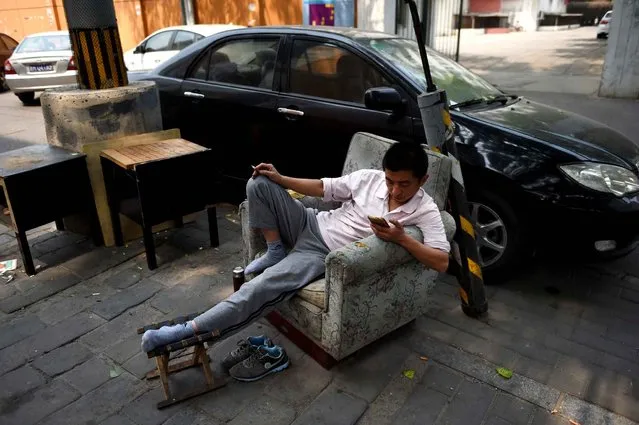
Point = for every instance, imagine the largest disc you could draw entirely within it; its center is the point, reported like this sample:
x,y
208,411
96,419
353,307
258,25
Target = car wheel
x,y
26,98
3,82
501,234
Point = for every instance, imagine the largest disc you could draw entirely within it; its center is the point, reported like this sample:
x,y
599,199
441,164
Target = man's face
x,y
402,185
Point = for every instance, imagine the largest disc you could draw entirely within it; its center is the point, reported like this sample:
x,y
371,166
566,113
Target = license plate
x,y
40,68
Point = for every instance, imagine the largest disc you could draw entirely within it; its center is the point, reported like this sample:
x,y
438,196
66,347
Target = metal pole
x,y
459,27
96,44
439,129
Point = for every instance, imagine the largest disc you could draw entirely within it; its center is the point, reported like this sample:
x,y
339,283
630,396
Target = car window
x,y
44,43
159,43
183,39
330,72
460,83
9,42
198,37
246,62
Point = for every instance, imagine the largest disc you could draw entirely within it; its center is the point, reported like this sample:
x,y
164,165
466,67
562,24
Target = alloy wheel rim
x,y
490,233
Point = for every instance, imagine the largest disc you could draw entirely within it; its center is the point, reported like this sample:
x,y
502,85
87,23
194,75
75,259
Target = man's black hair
x,y
406,156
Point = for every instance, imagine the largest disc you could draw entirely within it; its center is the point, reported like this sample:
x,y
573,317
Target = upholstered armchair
x,y
371,287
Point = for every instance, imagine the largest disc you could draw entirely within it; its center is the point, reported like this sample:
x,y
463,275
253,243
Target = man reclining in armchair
x,y
395,195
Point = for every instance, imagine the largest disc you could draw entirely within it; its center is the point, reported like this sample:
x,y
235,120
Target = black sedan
x,y
538,177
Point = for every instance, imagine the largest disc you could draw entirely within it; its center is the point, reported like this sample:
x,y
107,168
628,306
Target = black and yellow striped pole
x,y
439,129
96,44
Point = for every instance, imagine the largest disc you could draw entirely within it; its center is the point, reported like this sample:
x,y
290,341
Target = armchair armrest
x,y
368,256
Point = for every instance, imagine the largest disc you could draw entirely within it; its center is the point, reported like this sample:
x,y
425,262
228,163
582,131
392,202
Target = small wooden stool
x,y
197,357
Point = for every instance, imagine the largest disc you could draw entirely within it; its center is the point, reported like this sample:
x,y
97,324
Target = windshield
x,y
460,84
44,43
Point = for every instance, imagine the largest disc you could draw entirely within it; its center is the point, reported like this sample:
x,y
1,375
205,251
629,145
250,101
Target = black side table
x,y
41,184
159,182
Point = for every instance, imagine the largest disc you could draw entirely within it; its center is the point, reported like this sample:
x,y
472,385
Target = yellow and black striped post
x,y
439,129
96,44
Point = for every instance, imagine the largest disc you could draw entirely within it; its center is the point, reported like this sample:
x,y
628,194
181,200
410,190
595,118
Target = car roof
x,y
347,32
202,29
37,34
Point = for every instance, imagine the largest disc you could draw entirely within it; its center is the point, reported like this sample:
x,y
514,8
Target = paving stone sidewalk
x,y
69,353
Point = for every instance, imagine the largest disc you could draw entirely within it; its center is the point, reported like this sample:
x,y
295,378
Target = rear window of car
x,y
44,43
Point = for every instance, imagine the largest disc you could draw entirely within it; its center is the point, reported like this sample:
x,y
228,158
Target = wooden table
x,y
159,181
41,184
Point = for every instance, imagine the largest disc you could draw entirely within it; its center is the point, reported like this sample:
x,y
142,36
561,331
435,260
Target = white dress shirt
x,y
364,193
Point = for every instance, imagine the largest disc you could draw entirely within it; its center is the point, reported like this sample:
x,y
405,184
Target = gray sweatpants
x,y
271,207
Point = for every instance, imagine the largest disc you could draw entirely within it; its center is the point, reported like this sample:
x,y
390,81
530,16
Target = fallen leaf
x,y
361,245
506,373
409,373
553,412
115,371
424,358
574,422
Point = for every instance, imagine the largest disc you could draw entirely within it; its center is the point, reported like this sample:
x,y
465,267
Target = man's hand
x,y
269,171
393,233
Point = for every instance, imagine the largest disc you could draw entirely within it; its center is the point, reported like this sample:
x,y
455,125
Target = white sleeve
x,y
341,188
432,228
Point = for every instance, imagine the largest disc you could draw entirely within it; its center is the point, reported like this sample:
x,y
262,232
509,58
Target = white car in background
x,y
604,25
41,61
167,42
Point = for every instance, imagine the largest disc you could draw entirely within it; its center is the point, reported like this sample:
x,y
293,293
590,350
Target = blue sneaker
x,y
264,361
245,348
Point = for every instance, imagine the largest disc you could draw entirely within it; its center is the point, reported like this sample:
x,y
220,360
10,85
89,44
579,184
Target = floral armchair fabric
x,y
371,287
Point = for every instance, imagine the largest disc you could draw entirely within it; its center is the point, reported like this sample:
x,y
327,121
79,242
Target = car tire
x,y
3,82
508,229
26,98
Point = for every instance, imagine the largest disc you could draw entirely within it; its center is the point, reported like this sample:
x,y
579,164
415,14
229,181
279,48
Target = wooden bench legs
x,y
165,369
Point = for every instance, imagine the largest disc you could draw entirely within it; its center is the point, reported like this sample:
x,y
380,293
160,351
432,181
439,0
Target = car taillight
x,y
71,66
8,68
604,21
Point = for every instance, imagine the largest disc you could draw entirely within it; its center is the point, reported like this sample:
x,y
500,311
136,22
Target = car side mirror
x,y
384,99
139,49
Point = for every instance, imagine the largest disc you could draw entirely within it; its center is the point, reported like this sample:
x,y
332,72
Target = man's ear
x,y
423,180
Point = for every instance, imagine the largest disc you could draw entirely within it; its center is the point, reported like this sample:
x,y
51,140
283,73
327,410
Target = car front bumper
x,y
32,83
603,228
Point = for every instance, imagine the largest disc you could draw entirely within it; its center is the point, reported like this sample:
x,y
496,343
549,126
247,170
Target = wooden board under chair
x,y
130,229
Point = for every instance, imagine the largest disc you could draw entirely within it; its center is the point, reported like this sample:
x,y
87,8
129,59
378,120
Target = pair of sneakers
x,y
254,358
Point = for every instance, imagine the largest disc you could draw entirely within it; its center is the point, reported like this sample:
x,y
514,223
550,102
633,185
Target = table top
x,y
33,157
130,156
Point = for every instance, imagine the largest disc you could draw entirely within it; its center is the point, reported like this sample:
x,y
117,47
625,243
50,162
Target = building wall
x,y
139,18
484,6
620,77
552,6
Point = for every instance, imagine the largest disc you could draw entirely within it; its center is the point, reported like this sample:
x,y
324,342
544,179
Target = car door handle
x,y
295,112
193,94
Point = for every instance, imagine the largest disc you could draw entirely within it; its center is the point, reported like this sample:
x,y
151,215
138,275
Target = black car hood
x,y
565,131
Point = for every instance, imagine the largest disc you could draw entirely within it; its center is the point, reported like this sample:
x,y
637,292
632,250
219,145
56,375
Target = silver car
x,y
41,61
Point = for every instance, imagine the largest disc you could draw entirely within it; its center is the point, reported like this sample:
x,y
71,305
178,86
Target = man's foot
x,y
245,348
263,362
275,253
154,338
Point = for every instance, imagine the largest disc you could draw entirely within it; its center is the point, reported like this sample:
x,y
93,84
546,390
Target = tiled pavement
x,y
69,353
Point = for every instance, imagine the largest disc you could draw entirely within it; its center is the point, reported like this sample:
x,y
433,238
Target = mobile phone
x,y
380,221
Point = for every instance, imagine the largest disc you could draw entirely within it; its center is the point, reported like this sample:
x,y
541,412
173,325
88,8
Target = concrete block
x,y
41,404
422,407
266,412
442,379
90,375
516,411
127,298
333,407
18,329
470,404
143,410
300,383
98,405
18,382
62,359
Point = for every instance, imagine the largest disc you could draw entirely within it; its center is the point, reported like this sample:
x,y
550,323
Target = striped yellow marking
x,y
474,268
463,295
99,60
467,226
85,54
446,117
111,57
123,78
